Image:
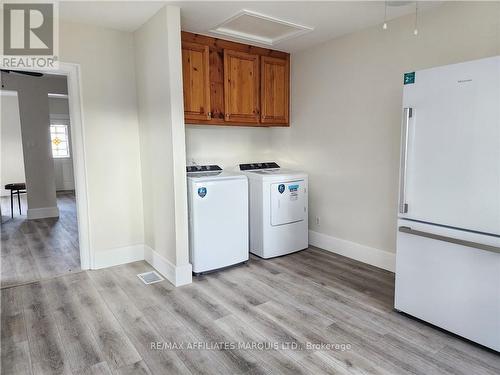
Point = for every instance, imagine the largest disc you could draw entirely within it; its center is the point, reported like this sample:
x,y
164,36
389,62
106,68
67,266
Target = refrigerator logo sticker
x,y
281,188
409,78
202,191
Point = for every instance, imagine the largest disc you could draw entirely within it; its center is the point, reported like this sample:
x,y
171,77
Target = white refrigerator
x,y
448,235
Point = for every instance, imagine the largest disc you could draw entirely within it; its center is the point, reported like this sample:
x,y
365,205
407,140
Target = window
x,y
59,140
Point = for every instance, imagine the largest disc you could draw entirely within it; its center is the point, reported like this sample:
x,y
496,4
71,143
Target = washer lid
x,y
276,174
215,175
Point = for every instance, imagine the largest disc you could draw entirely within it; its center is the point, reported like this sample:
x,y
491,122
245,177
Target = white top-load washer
x,y
278,209
218,218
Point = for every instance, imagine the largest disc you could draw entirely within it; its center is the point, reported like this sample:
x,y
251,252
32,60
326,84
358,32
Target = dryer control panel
x,y
253,166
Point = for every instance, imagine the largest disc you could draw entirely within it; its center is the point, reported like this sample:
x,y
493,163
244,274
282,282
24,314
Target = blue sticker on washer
x,y
281,188
202,191
293,187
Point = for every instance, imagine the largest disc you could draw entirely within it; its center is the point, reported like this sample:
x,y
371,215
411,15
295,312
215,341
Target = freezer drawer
x,y
451,279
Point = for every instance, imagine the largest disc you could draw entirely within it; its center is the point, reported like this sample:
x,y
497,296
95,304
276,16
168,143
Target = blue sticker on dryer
x,y
294,192
202,191
281,188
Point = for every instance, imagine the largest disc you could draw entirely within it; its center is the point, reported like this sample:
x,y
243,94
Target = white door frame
x,y
72,72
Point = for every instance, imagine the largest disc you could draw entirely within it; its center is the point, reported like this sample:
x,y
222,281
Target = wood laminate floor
x,y
32,250
253,319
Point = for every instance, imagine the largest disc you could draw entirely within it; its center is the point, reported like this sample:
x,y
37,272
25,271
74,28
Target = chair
x,y
17,188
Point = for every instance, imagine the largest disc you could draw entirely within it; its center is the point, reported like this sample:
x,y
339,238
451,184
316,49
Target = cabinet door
x,y
196,81
241,87
275,88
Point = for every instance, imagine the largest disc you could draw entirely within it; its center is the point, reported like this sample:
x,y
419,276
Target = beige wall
x,y
63,167
155,135
12,160
346,111
227,146
58,106
32,93
111,134
161,124
346,104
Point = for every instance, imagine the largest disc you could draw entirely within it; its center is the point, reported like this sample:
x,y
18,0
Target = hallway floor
x,y
33,250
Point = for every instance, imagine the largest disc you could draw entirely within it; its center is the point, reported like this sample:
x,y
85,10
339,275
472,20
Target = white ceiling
x,y
118,15
329,19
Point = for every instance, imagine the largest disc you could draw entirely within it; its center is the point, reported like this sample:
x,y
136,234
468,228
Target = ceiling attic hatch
x,y
259,28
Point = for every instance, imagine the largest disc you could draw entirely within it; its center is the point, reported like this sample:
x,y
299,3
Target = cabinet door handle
x,y
433,236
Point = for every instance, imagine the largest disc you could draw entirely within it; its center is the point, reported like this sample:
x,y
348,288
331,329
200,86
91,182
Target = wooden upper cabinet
x,y
274,90
229,83
196,81
241,87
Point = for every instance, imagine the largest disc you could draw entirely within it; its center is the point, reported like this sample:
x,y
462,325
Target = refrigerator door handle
x,y
407,114
433,236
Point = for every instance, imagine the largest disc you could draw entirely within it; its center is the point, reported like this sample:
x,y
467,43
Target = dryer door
x,y
288,202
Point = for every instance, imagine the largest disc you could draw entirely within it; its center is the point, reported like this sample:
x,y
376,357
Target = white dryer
x,y
218,218
278,209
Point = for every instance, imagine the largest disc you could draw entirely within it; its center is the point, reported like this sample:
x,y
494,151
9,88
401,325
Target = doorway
x,y
40,242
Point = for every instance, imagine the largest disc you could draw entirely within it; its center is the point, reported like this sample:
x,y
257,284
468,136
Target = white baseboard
x,y
366,254
177,275
117,256
42,212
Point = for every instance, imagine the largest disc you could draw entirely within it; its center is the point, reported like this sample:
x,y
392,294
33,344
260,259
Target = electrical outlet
x,y
318,220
